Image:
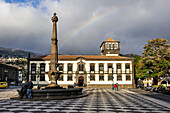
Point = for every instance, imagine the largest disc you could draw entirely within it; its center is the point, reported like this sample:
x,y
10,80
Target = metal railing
x,y
90,72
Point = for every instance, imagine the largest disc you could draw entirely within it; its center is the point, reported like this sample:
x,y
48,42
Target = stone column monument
x,y
53,73
54,91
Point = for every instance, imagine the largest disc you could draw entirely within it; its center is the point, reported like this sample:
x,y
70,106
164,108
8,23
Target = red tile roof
x,y
110,40
87,57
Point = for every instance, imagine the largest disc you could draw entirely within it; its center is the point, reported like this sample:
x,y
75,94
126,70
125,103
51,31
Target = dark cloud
x,y
84,25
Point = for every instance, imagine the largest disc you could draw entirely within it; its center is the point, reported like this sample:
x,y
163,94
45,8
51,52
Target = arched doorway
x,y
81,81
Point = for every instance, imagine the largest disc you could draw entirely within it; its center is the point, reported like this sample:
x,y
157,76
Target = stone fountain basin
x,y
54,94
51,93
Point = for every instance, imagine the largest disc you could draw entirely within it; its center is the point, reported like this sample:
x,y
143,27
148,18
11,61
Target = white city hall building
x,y
88,70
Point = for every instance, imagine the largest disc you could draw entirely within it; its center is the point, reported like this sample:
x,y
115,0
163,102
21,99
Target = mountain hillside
x,y
15,53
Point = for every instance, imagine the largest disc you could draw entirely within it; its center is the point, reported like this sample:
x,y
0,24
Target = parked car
x,y
12,83
167,90
154,88
3,84
148,88
161,89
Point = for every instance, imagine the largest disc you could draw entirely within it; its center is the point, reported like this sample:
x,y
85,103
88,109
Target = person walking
x,y
115,87
74,85
23,89
29,90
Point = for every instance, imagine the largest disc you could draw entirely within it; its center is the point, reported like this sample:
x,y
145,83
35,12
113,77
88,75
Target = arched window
x,y
119,77
42,68
92,77
33,72
128,77
81,67
92,67
61,78
101,77
127,67
42,72
112,46
119,68
69,67
110,77
107,46
33,68
69,78
115,46
110,68
101,67
61,67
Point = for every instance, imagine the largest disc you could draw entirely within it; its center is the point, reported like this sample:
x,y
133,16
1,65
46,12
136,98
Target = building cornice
x,y
85,57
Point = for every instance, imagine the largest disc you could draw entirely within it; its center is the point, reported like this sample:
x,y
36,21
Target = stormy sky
x,y
83,24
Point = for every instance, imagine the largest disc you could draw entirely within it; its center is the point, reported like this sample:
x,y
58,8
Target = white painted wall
x,y
87,67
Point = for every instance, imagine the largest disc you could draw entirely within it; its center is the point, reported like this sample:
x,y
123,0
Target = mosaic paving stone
x,y
100,100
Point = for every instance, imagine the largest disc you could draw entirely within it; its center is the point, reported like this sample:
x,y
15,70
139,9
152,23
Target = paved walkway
x,y
99,101
7,93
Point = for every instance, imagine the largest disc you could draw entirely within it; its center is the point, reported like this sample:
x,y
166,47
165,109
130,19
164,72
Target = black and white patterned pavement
x,y
99,101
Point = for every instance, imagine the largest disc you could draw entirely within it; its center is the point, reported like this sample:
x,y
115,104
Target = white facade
x,y
86,73
88,70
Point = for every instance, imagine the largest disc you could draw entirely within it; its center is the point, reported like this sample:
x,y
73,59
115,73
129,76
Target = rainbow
x,y
89,23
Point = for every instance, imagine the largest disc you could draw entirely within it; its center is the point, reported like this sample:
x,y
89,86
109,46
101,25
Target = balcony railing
x,y
94,72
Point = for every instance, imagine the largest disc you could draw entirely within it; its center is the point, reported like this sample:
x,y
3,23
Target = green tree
x,y
136,64
155,59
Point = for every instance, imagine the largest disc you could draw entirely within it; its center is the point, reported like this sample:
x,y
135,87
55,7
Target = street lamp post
x,y
38,75
112,79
